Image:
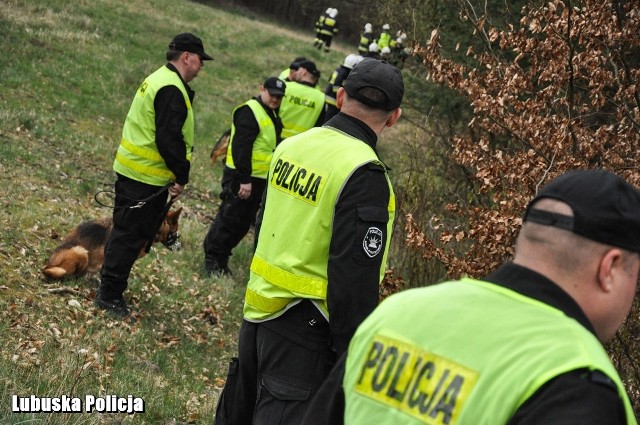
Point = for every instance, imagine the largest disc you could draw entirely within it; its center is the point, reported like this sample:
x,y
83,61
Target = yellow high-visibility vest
x,y
307,175
472,360
264,144
137,156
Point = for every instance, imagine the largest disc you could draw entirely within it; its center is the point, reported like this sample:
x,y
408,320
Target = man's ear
x,y
340,97
609,266
395,116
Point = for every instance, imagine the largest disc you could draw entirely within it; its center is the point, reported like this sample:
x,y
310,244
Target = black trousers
x,y
281,364
132,229
326,39
234,219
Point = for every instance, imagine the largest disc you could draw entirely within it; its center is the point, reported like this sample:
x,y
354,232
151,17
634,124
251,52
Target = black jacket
x,y
171,113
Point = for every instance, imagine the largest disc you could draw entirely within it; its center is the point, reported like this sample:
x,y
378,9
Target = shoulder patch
x,y
372,242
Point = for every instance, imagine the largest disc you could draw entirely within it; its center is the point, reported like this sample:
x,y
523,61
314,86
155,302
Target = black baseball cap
x,y
187,42
274,86
606,208
380,75
310,66
296,62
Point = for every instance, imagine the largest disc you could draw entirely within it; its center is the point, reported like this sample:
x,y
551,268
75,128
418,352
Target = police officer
x,y
289,74
321,253
523,345
335,82
303,106
255,132
153,160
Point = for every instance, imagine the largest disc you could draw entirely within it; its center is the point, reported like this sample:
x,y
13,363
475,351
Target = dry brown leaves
x,y
557,91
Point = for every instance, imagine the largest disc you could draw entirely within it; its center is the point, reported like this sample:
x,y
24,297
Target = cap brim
x,y
205,57
275,92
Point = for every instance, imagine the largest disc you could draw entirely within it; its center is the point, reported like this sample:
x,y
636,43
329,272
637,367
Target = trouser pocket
x,y
280,402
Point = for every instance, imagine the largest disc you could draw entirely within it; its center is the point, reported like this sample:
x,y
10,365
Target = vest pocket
x,y
371,235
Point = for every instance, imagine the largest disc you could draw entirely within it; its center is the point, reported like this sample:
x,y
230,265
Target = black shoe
x,y
217,271
218,267
116,306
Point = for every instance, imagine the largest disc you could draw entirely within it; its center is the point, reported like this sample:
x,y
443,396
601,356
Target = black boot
x,y
217,266
116,306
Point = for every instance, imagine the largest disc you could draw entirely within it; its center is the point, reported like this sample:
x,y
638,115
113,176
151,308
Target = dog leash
x,y
139,203
158,223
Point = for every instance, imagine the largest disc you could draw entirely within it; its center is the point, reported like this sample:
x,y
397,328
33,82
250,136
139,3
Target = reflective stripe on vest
x,y
472,360
137,156
264,144
307,175
300,108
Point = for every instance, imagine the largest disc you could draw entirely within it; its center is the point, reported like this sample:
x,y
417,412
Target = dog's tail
x,y
67,262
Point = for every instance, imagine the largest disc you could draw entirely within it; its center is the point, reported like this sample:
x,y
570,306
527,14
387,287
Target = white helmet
x,y
351,60
328,11
386,27
373,47
368,27
385,51
334,13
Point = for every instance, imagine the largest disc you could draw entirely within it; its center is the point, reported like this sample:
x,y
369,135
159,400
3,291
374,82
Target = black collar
x,y
186,86
534,285
355,128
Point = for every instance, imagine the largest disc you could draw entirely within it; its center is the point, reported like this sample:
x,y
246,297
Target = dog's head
x,y
168,233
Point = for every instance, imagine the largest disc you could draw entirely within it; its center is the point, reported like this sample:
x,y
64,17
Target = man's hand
x,y
175,190
245,191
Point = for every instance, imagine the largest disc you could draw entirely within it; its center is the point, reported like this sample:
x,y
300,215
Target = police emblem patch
x,y
372,242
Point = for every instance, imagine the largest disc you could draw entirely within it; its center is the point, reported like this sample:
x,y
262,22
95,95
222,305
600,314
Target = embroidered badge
x,y
372,242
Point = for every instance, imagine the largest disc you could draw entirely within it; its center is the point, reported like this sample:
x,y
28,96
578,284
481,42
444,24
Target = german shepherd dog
x,y
220,148
82,250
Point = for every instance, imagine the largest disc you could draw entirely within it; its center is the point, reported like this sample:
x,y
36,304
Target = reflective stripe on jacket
x,y
137,156
264,144
307,175
365,41
328,26
335,82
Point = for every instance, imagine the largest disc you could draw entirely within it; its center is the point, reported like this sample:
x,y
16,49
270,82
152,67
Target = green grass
x,y
68,72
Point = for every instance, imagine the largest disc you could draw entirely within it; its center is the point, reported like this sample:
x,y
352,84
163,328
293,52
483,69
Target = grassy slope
x,y
68,72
